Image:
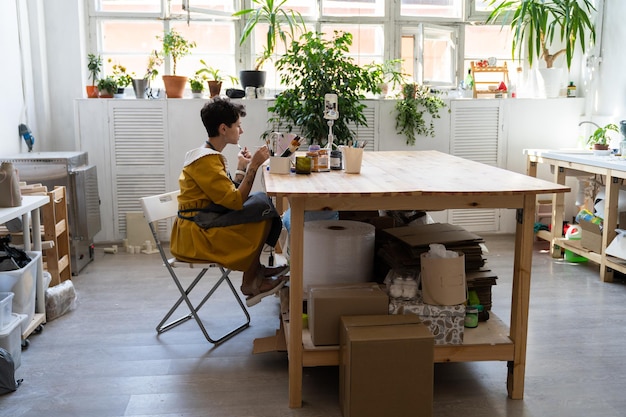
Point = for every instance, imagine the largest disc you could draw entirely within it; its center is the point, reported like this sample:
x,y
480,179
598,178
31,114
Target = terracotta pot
x,y
92,91
600,147
215,87
174,85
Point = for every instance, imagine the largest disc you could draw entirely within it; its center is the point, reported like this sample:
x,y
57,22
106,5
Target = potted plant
x,y
599,139
107,87
278,20
122,79
177,47
141,85
214,78
535,23
389,74
410,110
94,65
303,104
197,85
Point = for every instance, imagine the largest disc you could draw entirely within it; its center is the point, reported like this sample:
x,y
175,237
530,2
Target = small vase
x,y
140,86
196,94
119,93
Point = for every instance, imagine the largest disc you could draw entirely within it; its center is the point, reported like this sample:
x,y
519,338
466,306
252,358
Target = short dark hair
x,y
220,110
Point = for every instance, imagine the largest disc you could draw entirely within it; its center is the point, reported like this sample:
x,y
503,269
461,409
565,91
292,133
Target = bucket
x,y
573,233
443,280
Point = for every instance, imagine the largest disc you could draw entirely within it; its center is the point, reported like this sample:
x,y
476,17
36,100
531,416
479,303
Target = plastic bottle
x,y
571,89
469,80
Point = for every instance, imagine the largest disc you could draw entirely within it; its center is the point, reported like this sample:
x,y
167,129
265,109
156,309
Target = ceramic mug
x,y
250,92
353,158
280,165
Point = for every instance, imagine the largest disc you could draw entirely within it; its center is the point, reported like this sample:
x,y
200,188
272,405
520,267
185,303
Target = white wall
x,y
57,35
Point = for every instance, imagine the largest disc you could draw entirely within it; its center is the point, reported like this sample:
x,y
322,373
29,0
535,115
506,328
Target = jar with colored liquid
x,y
471,317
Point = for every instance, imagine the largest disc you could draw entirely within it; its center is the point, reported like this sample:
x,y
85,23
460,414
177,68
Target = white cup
x,y
260,92
250,92
353,158
280,165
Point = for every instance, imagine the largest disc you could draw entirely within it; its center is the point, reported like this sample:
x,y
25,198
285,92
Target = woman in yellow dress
x,y
219,219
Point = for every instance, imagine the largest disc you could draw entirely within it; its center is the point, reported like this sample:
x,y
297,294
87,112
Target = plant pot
x,y
174,85
215,87
92,91
141,85
252,78
119,93
196,94
105,94
551,80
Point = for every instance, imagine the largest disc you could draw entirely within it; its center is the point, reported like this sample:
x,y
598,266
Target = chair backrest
x,y
160,206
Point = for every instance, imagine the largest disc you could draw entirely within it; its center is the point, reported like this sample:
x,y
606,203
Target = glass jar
x,y
313,153
471,317
335,160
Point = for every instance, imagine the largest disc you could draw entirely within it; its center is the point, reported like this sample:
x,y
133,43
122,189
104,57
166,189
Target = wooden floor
x,y
104,358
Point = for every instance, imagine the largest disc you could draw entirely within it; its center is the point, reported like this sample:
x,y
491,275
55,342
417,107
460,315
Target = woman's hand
x,y
261,155
243,159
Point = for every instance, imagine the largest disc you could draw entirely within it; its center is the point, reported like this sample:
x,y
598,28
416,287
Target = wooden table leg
x,y
294,345
520,297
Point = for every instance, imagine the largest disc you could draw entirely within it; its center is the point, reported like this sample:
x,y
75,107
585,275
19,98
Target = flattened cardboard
x,y
425,234
591,237
386,367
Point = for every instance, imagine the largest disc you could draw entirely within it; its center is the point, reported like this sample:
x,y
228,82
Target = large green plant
x,y
277,18
536,23
313,67
411,109
176,46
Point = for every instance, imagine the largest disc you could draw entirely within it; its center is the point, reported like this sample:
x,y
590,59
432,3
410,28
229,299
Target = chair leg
x,y
161,327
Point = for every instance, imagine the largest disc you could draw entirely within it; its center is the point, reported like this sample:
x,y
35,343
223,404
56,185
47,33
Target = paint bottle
x,y
571,89
335,160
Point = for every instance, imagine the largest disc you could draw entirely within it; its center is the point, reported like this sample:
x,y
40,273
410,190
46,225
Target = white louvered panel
x,y
475,136
366,133
139,136
475,220
130,188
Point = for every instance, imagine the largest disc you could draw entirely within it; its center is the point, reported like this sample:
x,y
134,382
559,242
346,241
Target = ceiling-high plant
x,y
282,24
312,67
536,23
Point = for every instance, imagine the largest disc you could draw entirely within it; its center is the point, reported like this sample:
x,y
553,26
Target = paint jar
x,y
471,317
313,153
323,160
303,165
335,160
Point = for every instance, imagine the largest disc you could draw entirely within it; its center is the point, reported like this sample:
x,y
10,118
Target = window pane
x,y
368,41
146,6
439,53
433,8
176,7
353,7
304,7
482,42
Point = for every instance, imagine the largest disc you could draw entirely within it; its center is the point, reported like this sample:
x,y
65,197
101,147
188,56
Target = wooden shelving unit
x,y
488,76
56,230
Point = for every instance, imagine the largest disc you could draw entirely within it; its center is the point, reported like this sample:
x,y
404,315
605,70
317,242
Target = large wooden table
x,y
426,180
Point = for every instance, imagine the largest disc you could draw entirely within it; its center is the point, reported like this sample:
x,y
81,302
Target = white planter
x,y
550,82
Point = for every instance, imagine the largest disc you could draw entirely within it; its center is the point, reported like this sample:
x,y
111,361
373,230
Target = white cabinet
x,y
139,145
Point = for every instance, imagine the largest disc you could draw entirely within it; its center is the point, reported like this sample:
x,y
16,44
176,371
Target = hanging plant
x,y
417,100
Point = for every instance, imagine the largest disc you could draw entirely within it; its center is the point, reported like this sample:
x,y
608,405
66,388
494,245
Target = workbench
x,y
576,162
410,180
29,210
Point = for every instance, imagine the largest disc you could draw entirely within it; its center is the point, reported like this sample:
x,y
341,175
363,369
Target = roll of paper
x,y
337,252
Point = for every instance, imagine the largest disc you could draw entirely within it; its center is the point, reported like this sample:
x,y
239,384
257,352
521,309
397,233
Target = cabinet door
x,y
138,154
476,127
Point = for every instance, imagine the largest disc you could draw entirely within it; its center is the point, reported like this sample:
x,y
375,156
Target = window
x,y
430,54
423,32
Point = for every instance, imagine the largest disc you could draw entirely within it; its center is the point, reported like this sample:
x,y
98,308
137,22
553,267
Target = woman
x,y
219,220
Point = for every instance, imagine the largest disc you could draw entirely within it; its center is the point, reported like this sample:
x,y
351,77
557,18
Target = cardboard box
x,y
446,323
386,367
327,303
591,237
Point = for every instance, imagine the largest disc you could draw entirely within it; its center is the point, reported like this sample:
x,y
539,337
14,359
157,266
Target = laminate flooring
x,y
104,357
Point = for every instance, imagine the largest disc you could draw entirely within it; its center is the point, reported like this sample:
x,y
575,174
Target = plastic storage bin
x,y
23,283
6,308
11,338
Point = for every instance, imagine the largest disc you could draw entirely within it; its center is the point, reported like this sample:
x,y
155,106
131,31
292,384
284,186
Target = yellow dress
x,y
204,179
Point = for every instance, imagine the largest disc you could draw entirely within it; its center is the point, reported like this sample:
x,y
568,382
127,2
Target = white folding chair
x,y
163,207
